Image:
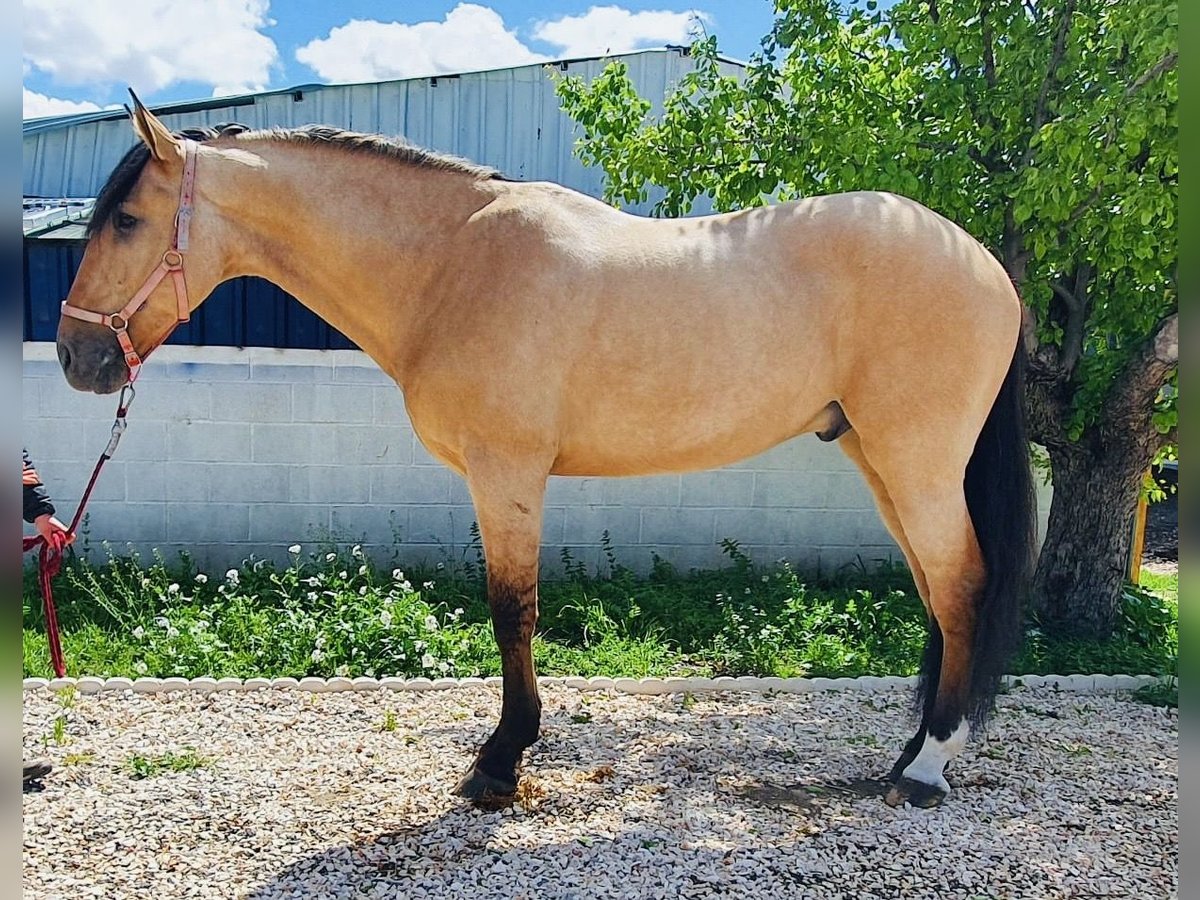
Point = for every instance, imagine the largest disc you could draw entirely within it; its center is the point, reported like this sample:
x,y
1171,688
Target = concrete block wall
x,y
233,452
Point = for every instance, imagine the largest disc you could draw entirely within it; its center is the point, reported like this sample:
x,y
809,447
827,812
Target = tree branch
x,y
1137,385
1163,65
989,58
1076,301
1056,58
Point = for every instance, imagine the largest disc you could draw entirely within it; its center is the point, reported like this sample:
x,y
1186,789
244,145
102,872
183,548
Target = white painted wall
x,y
231,452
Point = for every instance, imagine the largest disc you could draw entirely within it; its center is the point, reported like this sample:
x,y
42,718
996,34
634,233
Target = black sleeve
x,y
36,503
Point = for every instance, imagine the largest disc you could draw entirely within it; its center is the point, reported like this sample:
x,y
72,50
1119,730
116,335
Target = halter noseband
x,y
171,264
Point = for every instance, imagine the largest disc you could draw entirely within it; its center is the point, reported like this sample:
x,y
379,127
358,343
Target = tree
x,y
1047,129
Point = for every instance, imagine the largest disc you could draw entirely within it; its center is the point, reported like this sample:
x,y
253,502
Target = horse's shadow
x,y
456,850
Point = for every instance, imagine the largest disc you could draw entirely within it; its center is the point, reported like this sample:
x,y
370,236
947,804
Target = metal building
x,y
506,118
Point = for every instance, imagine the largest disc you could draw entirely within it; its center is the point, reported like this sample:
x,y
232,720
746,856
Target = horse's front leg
x,y
508,505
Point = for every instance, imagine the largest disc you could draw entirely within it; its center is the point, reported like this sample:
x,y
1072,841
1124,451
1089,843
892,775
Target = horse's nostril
x,y
64,356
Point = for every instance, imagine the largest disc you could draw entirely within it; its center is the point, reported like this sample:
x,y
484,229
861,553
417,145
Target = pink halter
x,y
172,264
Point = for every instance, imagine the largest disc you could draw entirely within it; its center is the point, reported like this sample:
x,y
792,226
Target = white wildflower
x,y
139,632
321,640
362,570
330,557
440,566
431,623
362,591
161,622
313,582
317,655
385,618
397,575
232,576
443,667
201,578
343,574
428,586
342,671
312,596
139,667
427,661
172,632
294,549
172,588
356,551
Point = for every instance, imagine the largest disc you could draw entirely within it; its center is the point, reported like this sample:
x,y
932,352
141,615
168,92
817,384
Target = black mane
x,y
116,189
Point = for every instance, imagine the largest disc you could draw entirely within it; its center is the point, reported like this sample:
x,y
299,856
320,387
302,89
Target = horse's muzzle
x,y
95,365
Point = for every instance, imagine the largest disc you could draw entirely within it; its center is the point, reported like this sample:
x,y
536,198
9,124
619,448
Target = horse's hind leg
x,y
931,666
934,515
926,507
508,504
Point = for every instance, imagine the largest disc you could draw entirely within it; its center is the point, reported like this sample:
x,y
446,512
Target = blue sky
x,y
82,55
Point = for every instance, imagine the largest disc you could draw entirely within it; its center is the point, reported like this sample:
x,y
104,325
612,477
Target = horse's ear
x,y
163,145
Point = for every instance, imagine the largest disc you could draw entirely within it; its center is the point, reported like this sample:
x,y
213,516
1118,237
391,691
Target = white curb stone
x,y
90,684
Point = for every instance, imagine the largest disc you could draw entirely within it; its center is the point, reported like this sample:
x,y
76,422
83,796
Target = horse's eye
x,y
124,222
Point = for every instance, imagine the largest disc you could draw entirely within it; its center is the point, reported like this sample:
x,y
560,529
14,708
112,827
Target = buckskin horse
x,y
536,331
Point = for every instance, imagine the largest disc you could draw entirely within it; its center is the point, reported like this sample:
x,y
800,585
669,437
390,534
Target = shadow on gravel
x,y
468,852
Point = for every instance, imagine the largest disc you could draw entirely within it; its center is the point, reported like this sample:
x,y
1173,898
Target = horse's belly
x,y
618,444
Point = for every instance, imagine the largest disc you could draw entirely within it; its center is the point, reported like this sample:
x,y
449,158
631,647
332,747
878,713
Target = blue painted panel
x,y
245,312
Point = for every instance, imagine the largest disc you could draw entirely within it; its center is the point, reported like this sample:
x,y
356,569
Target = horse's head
x,y
145,233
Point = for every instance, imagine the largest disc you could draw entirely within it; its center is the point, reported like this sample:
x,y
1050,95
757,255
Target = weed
x,y
389,721
78,759
149,766
58,731
1162,693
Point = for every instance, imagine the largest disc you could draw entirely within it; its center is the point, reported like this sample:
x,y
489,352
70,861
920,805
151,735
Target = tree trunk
x,y
1083,563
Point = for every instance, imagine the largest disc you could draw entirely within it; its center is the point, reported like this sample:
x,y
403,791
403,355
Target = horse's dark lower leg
x,y
514,616
921,780
931,668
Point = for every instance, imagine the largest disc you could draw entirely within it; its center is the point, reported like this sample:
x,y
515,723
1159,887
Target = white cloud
x,y
35,105
470,37
150,44
612,29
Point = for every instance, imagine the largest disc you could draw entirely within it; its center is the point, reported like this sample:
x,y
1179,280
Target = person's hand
x,y
53,531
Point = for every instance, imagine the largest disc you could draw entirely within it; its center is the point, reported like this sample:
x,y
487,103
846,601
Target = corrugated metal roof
x,y
66,218
506,118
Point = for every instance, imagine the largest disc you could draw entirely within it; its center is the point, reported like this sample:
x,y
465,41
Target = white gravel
x,y
717,795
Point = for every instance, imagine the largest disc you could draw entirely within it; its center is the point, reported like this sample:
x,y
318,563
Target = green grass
x,y
139,766
332,612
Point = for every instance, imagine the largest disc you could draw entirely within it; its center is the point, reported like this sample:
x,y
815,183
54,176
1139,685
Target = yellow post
x,y
1139,538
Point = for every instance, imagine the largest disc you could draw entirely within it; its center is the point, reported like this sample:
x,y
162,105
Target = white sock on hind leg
x,y
927,768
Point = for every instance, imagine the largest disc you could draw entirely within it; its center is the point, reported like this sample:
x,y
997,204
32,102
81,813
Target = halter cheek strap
x,y
171,264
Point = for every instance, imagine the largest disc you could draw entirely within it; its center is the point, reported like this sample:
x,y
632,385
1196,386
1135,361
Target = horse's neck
x,y
353,237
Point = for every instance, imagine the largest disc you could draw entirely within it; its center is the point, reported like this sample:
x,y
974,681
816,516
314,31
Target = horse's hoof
x,y
898,769
918,793
486,790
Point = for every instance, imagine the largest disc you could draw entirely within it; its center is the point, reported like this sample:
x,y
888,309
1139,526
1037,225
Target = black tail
x,y
1002,503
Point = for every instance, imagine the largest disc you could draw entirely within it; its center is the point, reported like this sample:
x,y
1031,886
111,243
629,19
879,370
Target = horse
x,y
536,331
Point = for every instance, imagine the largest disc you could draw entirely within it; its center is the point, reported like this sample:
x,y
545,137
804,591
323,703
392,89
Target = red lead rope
x,y
51,552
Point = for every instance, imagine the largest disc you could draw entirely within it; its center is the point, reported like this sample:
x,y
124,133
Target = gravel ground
x,y
717,795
